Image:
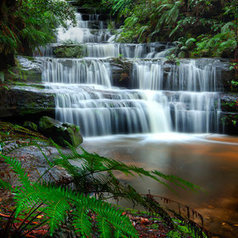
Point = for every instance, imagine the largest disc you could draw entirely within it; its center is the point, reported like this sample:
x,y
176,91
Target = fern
x,y
119,6
57,202
94,175
16,165
93,164
5,185
82,222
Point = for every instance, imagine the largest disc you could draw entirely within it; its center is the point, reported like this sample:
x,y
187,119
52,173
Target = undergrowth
x,y
83,200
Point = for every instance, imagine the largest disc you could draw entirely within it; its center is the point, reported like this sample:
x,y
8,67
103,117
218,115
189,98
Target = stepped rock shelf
x,y
123,88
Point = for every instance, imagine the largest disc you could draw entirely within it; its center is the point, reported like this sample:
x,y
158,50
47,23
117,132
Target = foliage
x,y
119,6
91,174
218,45
14,136
211,23
56,203
27,24
172,59
74,51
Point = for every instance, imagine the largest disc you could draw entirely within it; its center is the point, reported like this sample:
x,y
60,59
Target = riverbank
x,y
19,144
209,161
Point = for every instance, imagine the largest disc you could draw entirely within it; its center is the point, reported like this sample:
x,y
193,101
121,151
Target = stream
x,y
167,117
209,161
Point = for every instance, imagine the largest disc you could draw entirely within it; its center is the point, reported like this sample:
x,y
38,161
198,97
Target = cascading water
x,y
164,97
76,71
189,75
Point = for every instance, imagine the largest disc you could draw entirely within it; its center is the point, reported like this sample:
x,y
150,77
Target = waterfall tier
x,y
188,75
163,97
77,71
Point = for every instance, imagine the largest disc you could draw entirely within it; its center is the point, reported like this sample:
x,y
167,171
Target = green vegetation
x,y
83,206
36,197
68,51
27,24
203,27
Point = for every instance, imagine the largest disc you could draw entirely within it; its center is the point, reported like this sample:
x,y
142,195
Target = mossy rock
x,y
30,125
182,54
60,133
68,51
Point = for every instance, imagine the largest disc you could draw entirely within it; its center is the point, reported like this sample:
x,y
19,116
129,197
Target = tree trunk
x,y
6,60
7,8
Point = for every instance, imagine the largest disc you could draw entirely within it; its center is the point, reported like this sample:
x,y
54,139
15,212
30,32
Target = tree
x,y
27,24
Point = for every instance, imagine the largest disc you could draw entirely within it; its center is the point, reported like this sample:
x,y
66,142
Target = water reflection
x,y
208,161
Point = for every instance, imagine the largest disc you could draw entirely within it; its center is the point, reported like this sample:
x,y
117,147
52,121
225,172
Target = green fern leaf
x,y
82,223
104,227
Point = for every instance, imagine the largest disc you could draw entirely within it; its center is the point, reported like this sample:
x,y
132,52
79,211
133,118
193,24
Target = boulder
x,y
60,133
30,125
68,51
21,102
121,72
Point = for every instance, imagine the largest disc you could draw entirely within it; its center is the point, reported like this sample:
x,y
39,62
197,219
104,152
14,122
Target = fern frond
x,y
177,181
57,211
16,166
106,210
25,199
5,185
82,223
104,227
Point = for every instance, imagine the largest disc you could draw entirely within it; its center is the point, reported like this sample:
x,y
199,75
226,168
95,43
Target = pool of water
x,y
210,161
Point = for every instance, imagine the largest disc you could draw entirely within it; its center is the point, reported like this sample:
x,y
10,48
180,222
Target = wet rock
x,y
68,51
20,102
35,164
61,133
228,76
229,123
30,125
121,72
229,103
28,70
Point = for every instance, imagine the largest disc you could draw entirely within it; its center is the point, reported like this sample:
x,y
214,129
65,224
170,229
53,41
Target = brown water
x,y
206,160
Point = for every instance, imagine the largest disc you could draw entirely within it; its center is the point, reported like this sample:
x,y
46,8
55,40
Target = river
x,y
209,161
167,117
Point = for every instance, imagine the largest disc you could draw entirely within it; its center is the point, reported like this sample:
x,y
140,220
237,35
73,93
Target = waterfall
x,y
81,33
76,71
102,111
163,96
189,75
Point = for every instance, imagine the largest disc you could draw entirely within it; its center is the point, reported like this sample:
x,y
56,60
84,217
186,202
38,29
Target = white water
x,y
81,33
166,97
76,71
189,75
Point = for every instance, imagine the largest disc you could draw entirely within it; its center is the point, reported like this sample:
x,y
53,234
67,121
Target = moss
x,y
30,125
18,74
25,84
61,133
68,51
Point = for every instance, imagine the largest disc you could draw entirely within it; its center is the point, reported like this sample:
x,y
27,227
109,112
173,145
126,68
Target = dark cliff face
x,y
20,103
